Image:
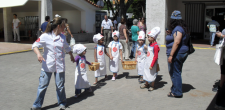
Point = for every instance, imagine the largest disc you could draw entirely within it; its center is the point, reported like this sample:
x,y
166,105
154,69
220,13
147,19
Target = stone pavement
x,y
20,73
6,47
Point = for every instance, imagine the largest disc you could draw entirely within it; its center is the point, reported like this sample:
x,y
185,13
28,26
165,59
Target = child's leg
x,y
114,74
153,84
77,91
106,76
96,80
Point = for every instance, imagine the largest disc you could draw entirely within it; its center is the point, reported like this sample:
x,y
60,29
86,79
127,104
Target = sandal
x,y
95,83
173,96
144,86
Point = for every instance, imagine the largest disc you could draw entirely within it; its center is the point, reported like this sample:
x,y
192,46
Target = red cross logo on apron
x,y
114,49
82,65
38,40
139,53
140,37
100,52
148,54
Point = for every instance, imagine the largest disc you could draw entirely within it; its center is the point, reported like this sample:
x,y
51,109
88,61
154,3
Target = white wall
x,y
73,16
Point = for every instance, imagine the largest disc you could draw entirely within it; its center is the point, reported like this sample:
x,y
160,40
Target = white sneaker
x,y
62,107
113,78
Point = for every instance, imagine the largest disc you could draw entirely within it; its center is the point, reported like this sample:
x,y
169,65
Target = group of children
x,y
146,58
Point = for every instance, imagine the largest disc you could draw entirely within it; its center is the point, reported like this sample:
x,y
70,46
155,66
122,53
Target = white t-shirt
x,y
213,25
107,25
15,23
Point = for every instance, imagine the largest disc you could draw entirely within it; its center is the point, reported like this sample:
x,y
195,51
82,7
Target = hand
x,y
126,40
145,47
150,68
40,58
72,59
136,60
96,60
168,32
71,35
170,59
122,61
101,32
218,34
111,57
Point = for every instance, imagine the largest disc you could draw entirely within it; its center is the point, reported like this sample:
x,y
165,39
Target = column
x,y
7,20
39,14
88,21
157,17
46,9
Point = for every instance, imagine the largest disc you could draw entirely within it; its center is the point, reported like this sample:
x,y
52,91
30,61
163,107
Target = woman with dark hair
x,y
177,49
124,40
53,61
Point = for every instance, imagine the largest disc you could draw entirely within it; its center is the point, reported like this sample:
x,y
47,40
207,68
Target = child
x,y
140,55
99,55
81,81
150,69
115,51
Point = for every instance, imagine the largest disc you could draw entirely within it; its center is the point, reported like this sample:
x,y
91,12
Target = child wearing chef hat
x,y
99,55
81,80
151,61
140,55
115,51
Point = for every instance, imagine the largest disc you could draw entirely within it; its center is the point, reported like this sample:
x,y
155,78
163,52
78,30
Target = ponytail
x,y
54,23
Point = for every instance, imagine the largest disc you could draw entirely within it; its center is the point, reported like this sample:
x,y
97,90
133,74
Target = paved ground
x,y
20,73
13,47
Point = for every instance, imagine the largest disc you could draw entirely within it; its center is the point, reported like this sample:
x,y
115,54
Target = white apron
x,y
81,81
115,51
101,59
141,56
150,75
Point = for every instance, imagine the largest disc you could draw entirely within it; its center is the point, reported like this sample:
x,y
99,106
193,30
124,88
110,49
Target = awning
x,y
11,3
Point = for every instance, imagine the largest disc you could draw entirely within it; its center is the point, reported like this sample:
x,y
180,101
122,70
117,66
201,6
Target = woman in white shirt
x,y
52,61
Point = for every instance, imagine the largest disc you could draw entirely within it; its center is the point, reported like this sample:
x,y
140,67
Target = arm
x,y
110,53
177,40
12,25
136,53
101,29
39,56
87,61
121,55
95,55
219,34
68,29
125,34
155,58
19,24
111,28
68,50
106,53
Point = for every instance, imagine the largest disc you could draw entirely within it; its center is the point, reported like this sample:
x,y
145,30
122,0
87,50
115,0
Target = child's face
x,y
83,53
140,42
151,39
115,38
101,41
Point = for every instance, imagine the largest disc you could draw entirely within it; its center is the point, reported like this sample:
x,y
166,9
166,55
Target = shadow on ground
x,y
84,95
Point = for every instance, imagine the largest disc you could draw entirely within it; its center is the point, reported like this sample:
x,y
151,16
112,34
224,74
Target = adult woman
x,y
124,40
54,44
142,25
67,31
176,52
221,88
134,30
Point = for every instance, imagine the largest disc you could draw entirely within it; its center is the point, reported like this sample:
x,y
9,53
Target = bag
x,y
72,41
218,57
189,44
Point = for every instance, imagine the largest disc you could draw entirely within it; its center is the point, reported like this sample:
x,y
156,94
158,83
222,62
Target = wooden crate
x,y
129,65
94,66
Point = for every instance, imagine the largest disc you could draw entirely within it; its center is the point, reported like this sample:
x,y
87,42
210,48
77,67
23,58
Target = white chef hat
x,y
141,35
79,48
223,32
97,37
57,16
154,32
116,33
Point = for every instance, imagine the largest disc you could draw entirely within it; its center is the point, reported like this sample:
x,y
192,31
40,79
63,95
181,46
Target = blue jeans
x,y
175,70
134,46
212,37
44,80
